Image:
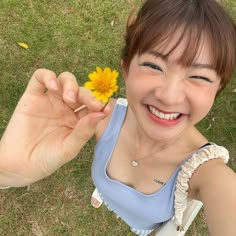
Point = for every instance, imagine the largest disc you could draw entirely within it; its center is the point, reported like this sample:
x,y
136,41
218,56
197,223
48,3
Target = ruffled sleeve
x,y
207,153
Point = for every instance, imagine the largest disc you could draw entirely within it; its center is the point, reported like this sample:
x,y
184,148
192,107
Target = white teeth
x,y
161,115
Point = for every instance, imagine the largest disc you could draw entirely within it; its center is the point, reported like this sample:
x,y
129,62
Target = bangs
x,y
192,37
166,24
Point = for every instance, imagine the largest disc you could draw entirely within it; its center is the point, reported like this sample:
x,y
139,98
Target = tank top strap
x,y
116,121
204,154
118,115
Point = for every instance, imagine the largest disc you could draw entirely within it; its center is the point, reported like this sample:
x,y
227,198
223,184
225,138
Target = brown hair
x,y
158,22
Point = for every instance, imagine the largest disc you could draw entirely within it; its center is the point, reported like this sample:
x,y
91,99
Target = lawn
x,y
75,36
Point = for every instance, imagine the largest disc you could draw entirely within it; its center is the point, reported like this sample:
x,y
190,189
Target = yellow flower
x,y
103,83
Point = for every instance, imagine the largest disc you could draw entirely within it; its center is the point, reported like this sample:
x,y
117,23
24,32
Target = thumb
x,y
83,131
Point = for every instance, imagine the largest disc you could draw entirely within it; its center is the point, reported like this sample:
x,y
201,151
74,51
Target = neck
x,y
143,144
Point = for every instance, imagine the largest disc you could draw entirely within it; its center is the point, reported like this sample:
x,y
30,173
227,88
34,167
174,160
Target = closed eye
x,y
151,65
202,78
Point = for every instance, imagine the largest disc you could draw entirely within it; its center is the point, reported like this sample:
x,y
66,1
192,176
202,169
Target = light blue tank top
x,y
138,210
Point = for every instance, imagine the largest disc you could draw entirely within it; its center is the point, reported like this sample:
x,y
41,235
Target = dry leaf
x,y
23,45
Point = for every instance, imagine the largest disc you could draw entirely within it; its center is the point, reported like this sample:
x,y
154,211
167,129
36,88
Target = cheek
x,y
204,103
133,81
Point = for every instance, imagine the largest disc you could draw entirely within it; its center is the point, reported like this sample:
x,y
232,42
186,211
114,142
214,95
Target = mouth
x,y
164,116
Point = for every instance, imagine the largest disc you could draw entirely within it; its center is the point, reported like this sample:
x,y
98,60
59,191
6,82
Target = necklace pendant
x,y
135,163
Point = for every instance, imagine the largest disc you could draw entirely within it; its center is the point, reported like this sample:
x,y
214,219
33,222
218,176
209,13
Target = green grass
x,y
75,36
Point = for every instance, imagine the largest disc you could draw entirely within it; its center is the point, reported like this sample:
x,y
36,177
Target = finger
x,y
70,89
41,79
83,110
83,131
86,98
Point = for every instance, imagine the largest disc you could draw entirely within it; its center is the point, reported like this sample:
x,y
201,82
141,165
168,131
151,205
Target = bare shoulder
x,y
219,179
215,185
102,125
213,176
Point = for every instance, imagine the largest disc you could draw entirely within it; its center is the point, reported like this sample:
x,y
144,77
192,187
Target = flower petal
x,y
114,74
90,85
107,72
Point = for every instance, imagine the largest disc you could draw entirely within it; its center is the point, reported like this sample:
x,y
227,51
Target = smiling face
x,y
158,22
167,98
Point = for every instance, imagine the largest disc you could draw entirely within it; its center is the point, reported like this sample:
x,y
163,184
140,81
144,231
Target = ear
x,y
221,87
123,68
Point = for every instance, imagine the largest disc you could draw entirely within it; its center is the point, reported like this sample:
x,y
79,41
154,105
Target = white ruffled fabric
x,y
207,153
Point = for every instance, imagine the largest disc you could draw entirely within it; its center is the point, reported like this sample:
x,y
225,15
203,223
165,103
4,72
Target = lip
x,y
164,122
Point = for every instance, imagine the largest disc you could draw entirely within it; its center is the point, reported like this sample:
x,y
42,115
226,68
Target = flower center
x,y
102,86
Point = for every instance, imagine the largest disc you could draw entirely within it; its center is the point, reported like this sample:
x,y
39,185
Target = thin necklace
x,y
135,163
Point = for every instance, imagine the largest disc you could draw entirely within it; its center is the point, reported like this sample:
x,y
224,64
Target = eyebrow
x,y
196,65
203,66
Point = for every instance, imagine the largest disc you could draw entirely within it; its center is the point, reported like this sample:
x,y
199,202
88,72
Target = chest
x,y
149,176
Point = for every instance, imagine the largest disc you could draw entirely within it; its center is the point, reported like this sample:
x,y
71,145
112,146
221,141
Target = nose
x,y
170,93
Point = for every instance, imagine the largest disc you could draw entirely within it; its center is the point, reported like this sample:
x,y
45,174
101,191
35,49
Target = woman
x,y
173,69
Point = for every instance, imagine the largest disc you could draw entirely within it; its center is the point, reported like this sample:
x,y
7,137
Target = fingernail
x,y
71,96
101,104
53,84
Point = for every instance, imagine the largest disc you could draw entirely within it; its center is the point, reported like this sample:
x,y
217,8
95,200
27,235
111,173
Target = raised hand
x,y
44,132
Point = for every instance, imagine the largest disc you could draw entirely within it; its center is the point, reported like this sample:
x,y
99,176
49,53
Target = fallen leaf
x,y
23,45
